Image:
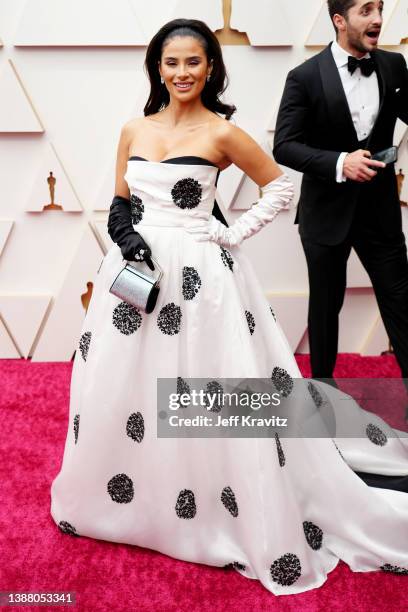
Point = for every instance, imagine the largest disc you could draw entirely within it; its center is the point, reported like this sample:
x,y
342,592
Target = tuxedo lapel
x,y
335,96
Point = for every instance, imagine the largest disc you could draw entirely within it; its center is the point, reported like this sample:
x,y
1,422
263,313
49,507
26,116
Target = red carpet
x,y
36,556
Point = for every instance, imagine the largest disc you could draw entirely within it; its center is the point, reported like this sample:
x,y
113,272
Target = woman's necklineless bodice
x,y
196,159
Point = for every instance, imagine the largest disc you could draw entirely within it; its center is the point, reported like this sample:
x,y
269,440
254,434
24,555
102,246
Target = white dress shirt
x,y
363,98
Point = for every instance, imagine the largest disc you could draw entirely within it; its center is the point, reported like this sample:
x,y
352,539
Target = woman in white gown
x,y
282,510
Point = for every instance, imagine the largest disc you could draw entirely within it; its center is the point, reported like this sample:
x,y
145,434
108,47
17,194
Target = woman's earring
x,y
208,77
161,80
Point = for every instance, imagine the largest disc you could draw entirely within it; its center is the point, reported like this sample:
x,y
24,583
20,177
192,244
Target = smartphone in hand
x,y
387,156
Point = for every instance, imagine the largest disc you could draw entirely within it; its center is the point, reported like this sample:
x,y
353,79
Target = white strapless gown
x,y
281,510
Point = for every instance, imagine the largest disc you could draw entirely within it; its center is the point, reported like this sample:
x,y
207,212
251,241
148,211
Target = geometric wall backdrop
x,y
17,113
59,336
101,232
160,12
395,27
52,186
8,349
84,95
291,313
5,229
377,340
273,29
78,23
23,315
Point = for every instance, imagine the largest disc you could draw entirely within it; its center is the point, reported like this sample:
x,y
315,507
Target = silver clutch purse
x,y
137,287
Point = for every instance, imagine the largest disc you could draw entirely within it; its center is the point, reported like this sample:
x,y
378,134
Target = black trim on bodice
x,y
194,160
174,160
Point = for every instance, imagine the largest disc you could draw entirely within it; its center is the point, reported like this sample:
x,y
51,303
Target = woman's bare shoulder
x,y
224,130
133,125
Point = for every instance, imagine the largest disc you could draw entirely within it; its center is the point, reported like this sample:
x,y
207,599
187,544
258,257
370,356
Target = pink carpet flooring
x,y
36,556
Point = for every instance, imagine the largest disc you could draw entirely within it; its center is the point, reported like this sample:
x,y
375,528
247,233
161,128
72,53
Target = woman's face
x,y
184,67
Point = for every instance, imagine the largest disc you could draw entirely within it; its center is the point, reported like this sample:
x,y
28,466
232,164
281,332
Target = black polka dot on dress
x,y
395,569
84,343
282,380
186,193
183,389
120,488
67,528
191,282
313,534
286,570
215,390
169,319
76,427
226,259
229,501
136,209
272,312
251,321
315,393
281,454
126,318
185,505
135,427
376,435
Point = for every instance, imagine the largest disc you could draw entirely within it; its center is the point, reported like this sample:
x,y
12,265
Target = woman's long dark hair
x,y
159,96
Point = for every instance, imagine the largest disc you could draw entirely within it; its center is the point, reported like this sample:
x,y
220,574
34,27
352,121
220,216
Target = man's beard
x,y
355,40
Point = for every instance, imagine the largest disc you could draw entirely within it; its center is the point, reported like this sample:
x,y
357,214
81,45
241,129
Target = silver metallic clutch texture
x,y
137,287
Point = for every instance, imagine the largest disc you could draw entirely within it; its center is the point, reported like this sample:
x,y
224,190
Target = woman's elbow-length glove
x,y
120,229
276,196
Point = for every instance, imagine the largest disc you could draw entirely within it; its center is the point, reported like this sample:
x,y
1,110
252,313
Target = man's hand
x,y
358,166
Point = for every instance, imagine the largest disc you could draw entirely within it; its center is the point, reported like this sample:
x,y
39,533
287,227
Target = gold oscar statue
x,y
51,180
86,297
228,36
400,181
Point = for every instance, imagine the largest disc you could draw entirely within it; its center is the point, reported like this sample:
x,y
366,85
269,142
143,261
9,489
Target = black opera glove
x,y
120,229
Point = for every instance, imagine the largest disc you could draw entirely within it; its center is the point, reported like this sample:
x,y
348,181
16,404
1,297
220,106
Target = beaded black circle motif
x,y
126,318
375,435
251,321
186,193
313,534
227,259
120,488
235,565
183,389
136,209
272,312
84,343
135,427
281,454
394,569
229,501
185,505
286,570
76,427
215,390
315,394
169,319
67,528
282,380
191,282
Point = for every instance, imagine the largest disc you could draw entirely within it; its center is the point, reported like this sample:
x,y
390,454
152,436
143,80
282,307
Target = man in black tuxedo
x,y
336,112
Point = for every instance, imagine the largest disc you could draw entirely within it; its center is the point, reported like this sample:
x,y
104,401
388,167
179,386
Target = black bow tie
x,y
367,66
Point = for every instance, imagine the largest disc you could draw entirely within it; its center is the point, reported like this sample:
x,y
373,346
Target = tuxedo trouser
x,y
385,260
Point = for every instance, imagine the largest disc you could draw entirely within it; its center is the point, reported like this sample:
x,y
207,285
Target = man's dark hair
x,y
341,7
